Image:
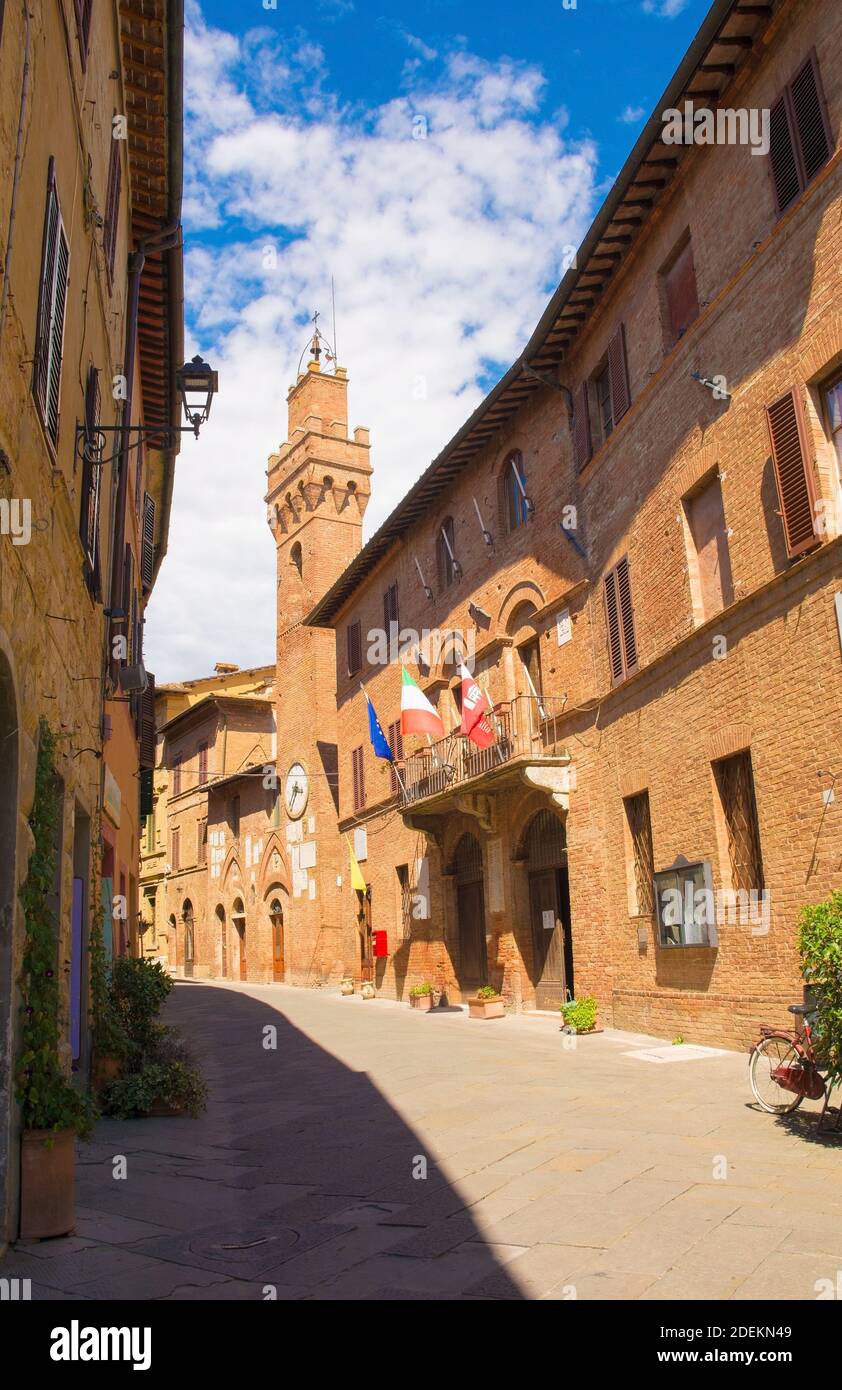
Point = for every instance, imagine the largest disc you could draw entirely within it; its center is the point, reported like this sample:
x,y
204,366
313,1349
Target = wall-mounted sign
x,y
564,627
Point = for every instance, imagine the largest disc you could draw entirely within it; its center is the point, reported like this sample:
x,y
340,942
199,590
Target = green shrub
x,y
167,1073
47,1097
138,991
820,944
580,1014
421,991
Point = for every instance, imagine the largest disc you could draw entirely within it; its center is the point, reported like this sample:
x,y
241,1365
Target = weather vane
x,y
317,345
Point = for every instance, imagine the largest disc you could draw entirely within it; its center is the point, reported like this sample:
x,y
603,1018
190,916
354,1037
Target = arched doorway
x,y
545,845
276,917
172,943
189,939
8,902
470,909
238,917
222,928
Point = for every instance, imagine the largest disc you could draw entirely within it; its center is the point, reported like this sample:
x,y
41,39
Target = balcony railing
x,y
526,727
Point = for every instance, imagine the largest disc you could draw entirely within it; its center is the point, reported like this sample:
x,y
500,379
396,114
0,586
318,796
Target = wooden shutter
x,y
52,300
147,724
354,641
810,122
358,771
112,208
619,614
619,375
147,547
91,479
582,446
793,474
390,607
83,10
395,741
203,764
682,298
785,174
736,788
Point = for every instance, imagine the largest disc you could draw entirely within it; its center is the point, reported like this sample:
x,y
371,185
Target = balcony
x,y
528,740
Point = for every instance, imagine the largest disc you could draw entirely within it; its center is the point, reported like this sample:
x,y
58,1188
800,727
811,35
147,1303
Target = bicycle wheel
x,y
773,1052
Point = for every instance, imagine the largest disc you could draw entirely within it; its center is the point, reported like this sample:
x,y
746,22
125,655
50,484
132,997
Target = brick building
x,y
90,338
638,536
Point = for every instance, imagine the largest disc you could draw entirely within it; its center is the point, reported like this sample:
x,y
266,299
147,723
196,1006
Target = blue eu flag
x,y
379,741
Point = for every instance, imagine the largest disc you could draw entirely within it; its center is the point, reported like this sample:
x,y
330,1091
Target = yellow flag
x,y
357,880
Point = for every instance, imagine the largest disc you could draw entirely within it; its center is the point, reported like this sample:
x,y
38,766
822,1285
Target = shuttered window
x,y
175,852
735,781
147,724
358,777
619,374
353,636
112,209
445,565
176,775
582,446
514,504
52,301
680,294
793,473
643,858
147,546
799,136
619,613
202,841
83,10
390,608
91,479
394,737
203,764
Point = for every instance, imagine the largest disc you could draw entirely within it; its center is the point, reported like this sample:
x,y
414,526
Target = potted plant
x,y
820,945
421,997
346,985
107,1036
579,1015
53,1110
367,989
167,1082
487,1003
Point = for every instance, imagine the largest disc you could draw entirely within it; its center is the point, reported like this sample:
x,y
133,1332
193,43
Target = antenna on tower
x,y
333,302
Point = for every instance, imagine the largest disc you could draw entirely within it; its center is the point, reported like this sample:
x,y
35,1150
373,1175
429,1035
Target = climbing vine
x,y
48,1099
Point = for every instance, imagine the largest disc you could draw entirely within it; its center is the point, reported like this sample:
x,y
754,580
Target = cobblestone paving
x,y
550,1172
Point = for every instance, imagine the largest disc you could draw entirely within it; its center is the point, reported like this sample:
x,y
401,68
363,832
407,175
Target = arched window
x,y
446,563
295,557
515,503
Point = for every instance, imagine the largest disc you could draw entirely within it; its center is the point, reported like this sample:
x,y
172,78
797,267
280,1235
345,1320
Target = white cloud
x,y
443,250
664,9
632,114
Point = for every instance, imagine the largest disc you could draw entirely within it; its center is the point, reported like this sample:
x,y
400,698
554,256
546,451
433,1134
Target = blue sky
x,y
438,159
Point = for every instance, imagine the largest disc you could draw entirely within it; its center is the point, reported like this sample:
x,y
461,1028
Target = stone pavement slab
x,y
379,1153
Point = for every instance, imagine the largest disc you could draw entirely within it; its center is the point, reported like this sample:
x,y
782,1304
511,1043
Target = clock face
x,y
296,791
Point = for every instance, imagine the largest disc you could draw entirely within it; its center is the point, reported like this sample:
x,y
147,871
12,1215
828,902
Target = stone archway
x,y
9,758
276,906
470,913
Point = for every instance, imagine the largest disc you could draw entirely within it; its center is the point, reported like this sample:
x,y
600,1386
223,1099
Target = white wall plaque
x,y
564,627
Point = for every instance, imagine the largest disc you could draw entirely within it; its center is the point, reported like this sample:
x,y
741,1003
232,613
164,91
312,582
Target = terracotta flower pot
x,y
487,1008
424,1002
367,989
47,1174
347,985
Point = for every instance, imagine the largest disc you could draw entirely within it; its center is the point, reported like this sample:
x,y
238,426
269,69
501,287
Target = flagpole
x,y
392,760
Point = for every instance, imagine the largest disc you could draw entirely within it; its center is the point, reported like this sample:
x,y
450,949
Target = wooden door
x,y
548,935
278,945
473,956
241,932
223,939
188,943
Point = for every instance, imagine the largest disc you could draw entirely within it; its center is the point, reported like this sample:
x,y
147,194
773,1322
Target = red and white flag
x,y
475,706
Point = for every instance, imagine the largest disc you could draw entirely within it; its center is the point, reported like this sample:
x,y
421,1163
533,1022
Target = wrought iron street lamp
x,y
197,384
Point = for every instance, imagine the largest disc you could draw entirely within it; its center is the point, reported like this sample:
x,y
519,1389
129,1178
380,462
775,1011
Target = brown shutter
x,y
619,375
810,121
612,617
45,293
147,724
83,10
147,549
112,207
619,615
57,332
91,478
794,476
582,446
785,174
354,644
626,617
390,606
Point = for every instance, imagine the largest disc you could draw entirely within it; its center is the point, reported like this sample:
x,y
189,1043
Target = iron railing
x,y
526,727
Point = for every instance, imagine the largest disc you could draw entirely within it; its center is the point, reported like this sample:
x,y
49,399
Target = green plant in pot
x,y
820,944
421,996
165,1082
579,1015
107,1035
53,1110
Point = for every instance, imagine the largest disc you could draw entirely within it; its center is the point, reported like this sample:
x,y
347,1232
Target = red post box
x,y
381,947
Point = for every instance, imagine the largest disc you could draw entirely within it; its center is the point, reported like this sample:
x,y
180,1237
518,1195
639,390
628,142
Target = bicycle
x,y
783,1069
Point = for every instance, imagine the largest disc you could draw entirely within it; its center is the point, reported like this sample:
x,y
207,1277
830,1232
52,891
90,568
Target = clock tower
x,y
318,489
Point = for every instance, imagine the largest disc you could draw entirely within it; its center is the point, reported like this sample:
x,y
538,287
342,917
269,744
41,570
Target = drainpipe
x,y
24,92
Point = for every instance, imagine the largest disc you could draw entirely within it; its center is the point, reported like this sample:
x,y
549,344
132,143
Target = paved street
x,y
551,1173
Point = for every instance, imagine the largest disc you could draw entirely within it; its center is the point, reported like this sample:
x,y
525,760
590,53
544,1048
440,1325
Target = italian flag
x,y
418,716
